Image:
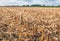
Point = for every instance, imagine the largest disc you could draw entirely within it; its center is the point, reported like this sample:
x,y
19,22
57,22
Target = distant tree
x,y
44,5
25,5
36,5
52,6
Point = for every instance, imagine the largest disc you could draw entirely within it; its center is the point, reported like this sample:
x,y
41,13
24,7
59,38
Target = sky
x,y
29,2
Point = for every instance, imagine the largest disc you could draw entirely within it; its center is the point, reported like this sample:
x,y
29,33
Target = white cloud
x,y
24,2
46,2
13,2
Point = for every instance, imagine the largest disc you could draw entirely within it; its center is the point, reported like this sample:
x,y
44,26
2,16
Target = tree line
x,y
39,6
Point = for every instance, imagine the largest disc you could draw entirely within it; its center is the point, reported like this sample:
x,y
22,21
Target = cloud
x,y
53,2
46,2
30,2
13,2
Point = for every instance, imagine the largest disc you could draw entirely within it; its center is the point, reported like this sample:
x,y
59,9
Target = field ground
x,y
29,24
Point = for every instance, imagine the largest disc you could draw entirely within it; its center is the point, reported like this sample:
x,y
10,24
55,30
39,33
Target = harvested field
x,y
29,24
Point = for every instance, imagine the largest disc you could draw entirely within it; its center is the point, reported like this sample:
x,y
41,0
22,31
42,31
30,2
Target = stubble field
x,y
29,24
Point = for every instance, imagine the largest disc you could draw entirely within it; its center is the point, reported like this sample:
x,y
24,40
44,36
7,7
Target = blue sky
x,y
30,2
